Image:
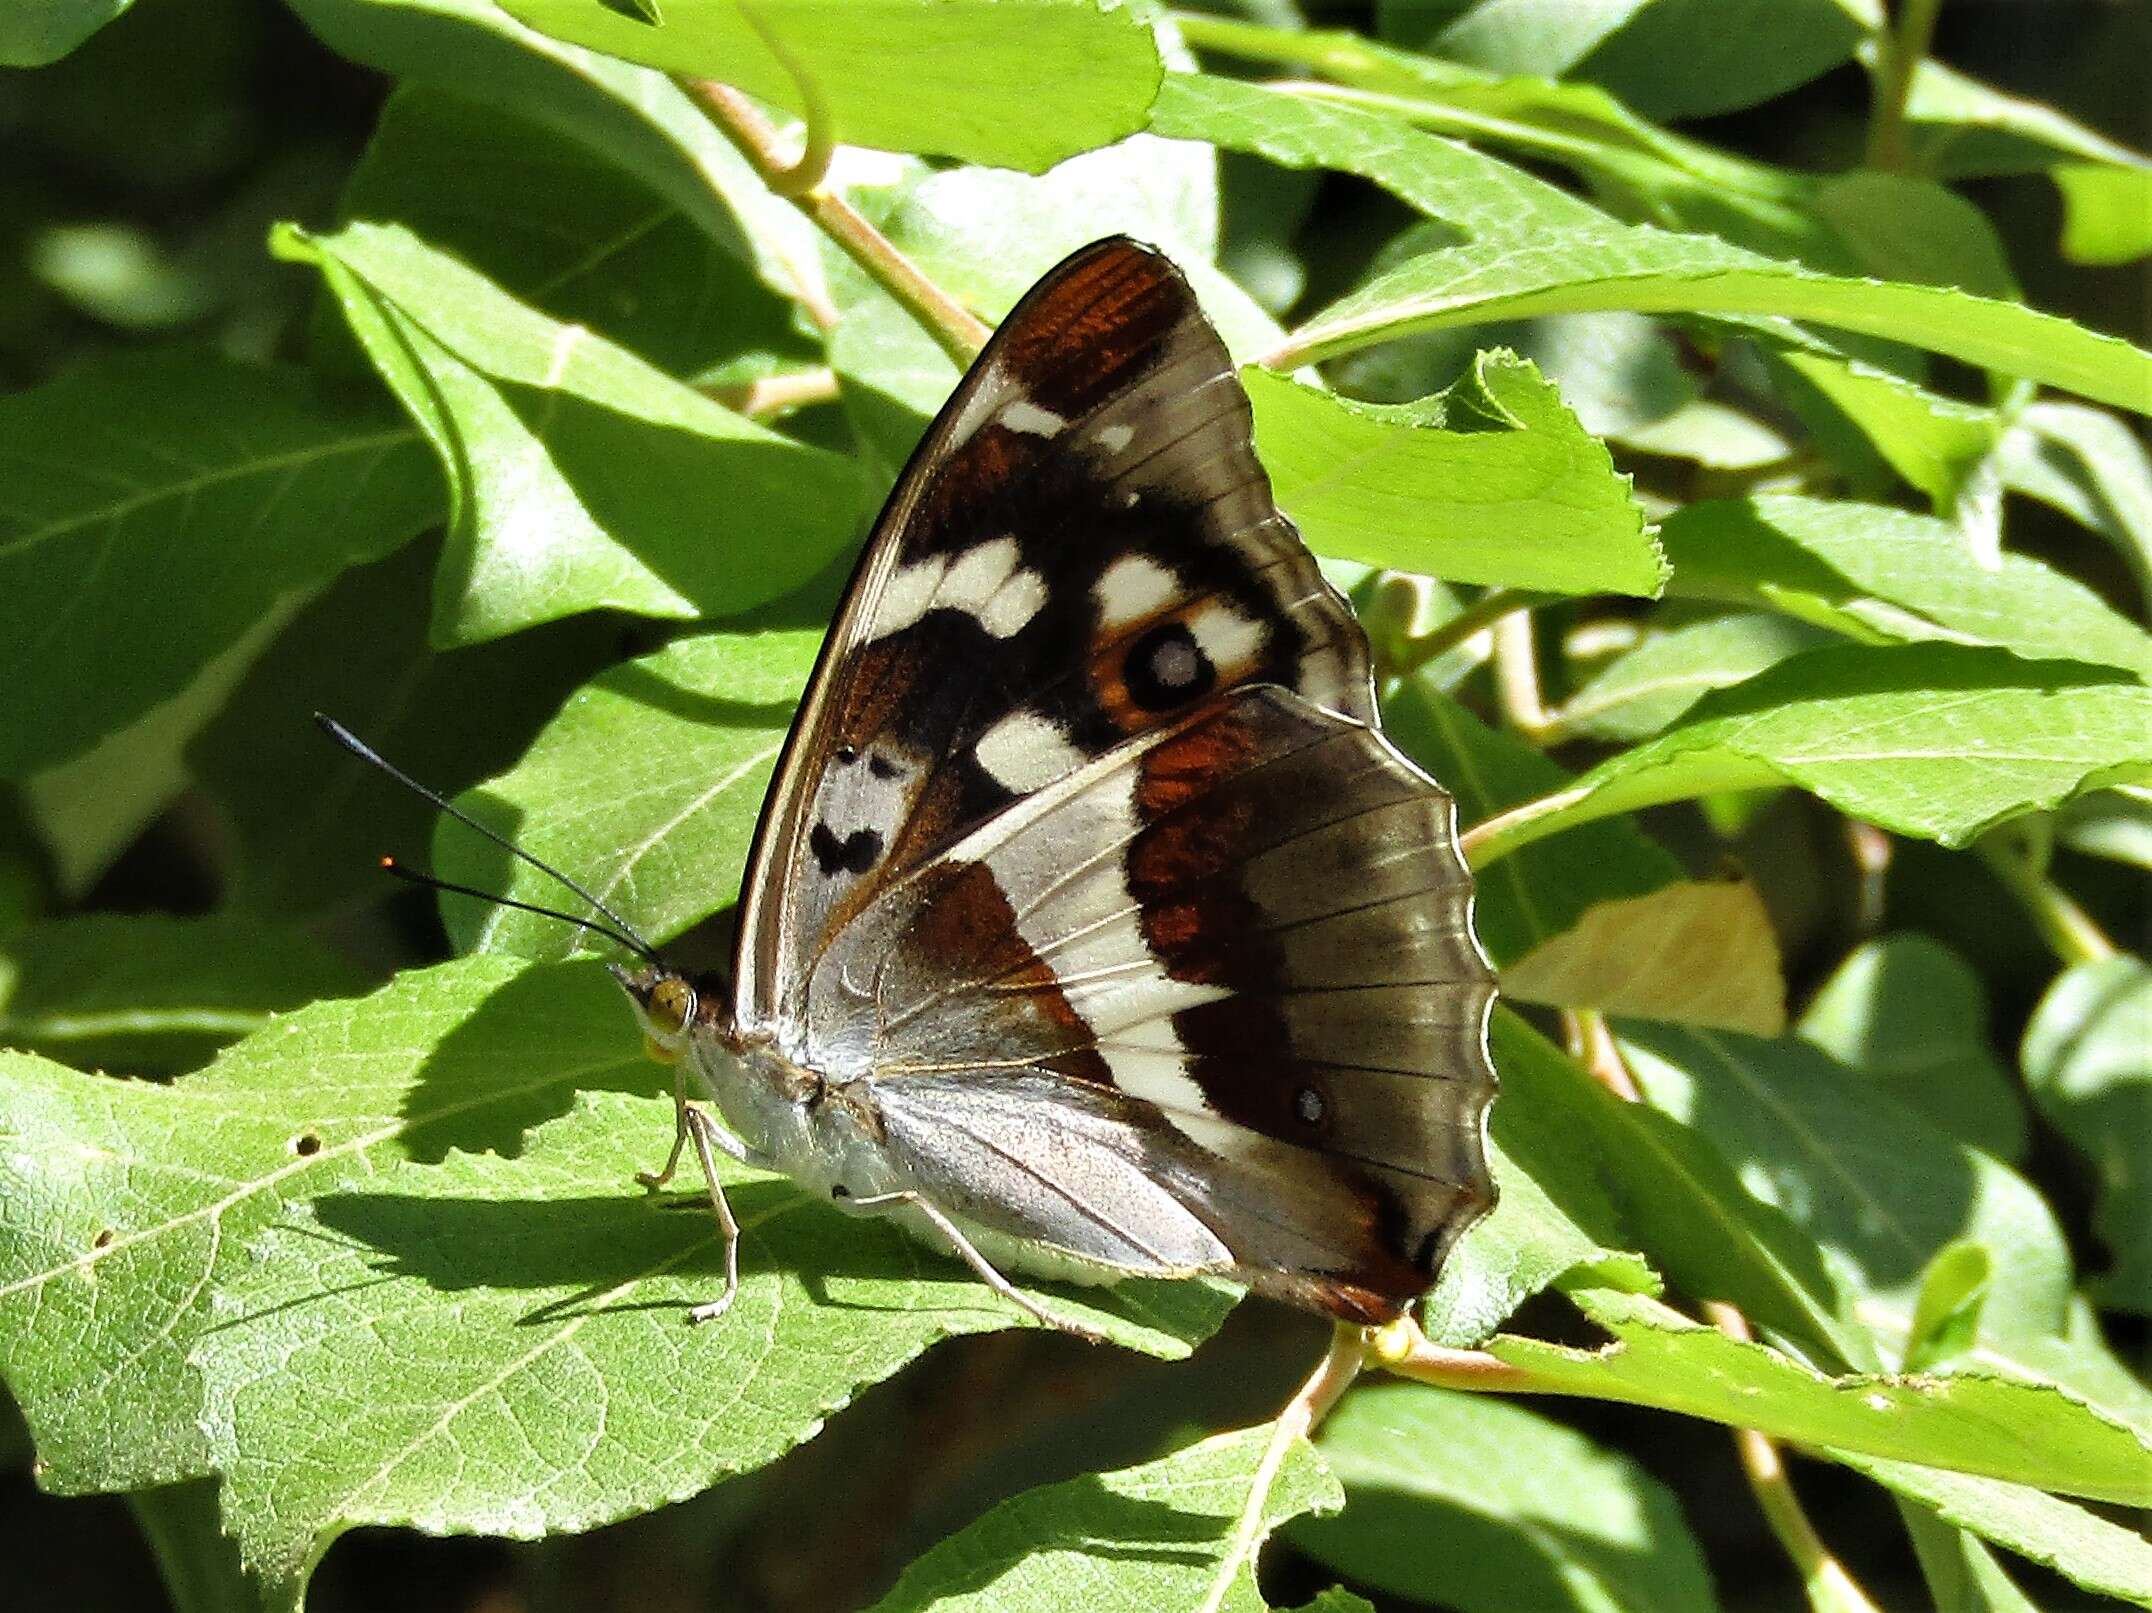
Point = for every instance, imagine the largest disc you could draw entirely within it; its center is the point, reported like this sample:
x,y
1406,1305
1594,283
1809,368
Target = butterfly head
x,y
672,1008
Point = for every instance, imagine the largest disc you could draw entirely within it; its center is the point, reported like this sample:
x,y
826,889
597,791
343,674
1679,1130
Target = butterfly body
x,y
1092,927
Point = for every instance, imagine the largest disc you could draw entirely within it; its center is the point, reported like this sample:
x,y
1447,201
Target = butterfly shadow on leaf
x,y
485,1084
585,1252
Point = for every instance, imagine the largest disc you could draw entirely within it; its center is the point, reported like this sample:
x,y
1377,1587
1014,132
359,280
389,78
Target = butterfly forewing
x,y
1082,549
1087,868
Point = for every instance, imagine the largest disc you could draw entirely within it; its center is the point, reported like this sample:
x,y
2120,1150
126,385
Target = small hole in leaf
x,y
103,1240
306,1144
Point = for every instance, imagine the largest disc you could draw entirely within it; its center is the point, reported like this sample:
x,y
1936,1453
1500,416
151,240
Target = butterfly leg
x,y
658,1178
978,1262
710,1138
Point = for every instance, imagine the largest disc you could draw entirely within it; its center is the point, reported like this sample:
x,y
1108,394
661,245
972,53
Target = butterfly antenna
x,y
415,876
621,931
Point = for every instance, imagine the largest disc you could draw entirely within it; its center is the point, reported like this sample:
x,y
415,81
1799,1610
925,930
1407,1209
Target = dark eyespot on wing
x,y
1166,667
854,854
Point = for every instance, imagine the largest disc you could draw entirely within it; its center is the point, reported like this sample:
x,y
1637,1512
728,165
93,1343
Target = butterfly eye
x,y
671,1005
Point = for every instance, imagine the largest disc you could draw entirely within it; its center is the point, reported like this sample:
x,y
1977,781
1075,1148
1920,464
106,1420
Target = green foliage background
x,y
1726,418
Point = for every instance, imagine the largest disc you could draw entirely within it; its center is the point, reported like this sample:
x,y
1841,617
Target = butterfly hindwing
x,y
1247,938
1083,548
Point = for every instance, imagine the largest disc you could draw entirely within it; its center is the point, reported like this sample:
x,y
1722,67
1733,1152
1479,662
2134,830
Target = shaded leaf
x,y
1871,571
646,788
1492,482
43,31
566,228
1132,1541
1544,890
1651,686
581,477
1486,1507
1910,1014
1873,1183
1941,741
642,121
1012,83
1695,953
2088,1063
2104,1558
1553,1219
143,993
2091,466
1681,1204
160,504
308,826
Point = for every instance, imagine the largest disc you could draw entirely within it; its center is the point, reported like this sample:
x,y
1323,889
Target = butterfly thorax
x,y
824,1134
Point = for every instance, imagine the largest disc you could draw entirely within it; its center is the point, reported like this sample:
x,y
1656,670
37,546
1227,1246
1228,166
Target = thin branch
x,y
1516,676
955,329
1492,839
1491,606
1595,1048
1764,1466
2067,928
773,395
1899,51
1302,1415
806,174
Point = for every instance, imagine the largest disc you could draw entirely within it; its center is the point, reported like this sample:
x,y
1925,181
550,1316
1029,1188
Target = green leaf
x,y
130,1202
1543,891
1936,740
1946,1317
2115,824
1962,1574
1653,685
1492,482
1946,449
2107,212
1871,571
1902,228
1873,1183
1132,1541
2105,1558
535,422
1553,1218
144,993
158,505
307,825
2088,1063
646,788
566,228
1697,953
1533,251
2089,465
545,1296
35,32
1013,83
1965,1422
1648,270
640,120
1669,59
1961,127
1485,1507
1908,1013
1683,1206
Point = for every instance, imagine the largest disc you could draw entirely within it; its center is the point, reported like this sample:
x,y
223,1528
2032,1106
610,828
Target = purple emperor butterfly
x,y
1092,928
